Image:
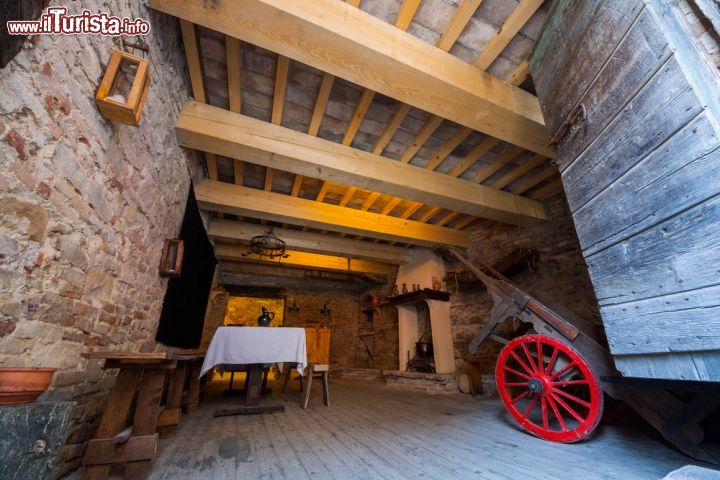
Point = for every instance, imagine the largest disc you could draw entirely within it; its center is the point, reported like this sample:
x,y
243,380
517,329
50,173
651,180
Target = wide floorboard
x,y
372,431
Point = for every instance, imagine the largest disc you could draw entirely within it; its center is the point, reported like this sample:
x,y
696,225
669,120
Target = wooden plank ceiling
x,y
430,125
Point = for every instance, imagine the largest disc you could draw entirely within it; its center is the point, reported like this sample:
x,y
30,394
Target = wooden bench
x,y
141,376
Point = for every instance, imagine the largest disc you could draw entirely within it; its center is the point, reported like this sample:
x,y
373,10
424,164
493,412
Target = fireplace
x,y
424,316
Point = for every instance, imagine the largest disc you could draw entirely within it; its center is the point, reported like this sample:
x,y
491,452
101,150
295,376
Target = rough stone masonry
x,y
85,205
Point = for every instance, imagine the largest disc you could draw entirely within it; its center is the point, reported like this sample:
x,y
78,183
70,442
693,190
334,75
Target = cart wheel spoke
x,y
561,406
531,362
551,362
559,417
522,364
515,372
521,396
570,382
540,359
533,401
575,399
567,407
563,370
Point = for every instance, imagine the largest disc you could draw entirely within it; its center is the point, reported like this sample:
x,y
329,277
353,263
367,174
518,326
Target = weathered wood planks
x,y
373,431
655,190
641,170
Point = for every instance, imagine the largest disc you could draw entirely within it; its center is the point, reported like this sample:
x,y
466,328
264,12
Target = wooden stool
x,y
141,375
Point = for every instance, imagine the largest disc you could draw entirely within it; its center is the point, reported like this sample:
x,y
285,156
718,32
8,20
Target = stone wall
x,y
559,275
85,205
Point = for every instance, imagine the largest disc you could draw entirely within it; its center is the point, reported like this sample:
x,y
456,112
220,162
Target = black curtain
x,y
183,312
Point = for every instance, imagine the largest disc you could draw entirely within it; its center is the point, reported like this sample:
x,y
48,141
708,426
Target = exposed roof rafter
x,y
206,128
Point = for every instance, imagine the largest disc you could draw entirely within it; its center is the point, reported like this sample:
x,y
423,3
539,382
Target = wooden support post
x,y
193,395
113,420
146,415
170,417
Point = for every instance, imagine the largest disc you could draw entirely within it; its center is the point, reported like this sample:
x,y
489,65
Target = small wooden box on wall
x,y
123,89
172,258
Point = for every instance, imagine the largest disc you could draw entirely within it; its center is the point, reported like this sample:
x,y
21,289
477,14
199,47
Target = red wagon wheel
x,y
549,388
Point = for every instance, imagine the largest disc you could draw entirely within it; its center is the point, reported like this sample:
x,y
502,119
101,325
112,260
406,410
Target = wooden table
x,y
141,375
252,349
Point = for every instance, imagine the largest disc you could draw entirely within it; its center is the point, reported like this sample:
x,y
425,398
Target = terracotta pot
x,y
23,384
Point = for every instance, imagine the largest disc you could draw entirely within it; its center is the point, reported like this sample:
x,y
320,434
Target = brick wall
x,y
560,275
84,207
343,319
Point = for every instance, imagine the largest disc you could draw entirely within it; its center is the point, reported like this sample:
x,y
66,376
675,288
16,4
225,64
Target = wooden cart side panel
x,y
694,366
642,177
596,56
565,26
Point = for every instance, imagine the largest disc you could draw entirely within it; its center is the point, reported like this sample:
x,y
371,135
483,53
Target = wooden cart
x,y
550,381
631,102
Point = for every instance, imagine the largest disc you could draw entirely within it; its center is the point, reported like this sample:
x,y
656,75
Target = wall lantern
x,y
325,311
294,307
123,89
172,258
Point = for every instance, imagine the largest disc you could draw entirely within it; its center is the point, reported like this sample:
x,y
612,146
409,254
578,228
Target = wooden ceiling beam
x,y
406,13
387,209
463,13
529,164
321,103
361,109
466,222
473,156
411,209
420,138
310,242
318,112
216,130
447,218
539,177
234,71
254,203
548,189
239,253
520,73
501,160
458,137
370,200
404,16
517,19
243,274
197,82
238,171
281,76
347,42
388,132
516,77
429,214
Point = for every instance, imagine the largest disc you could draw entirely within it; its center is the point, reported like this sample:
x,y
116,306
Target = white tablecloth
x,y
247,345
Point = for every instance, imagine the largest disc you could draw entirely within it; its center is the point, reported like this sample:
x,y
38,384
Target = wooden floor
x,y
373,431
